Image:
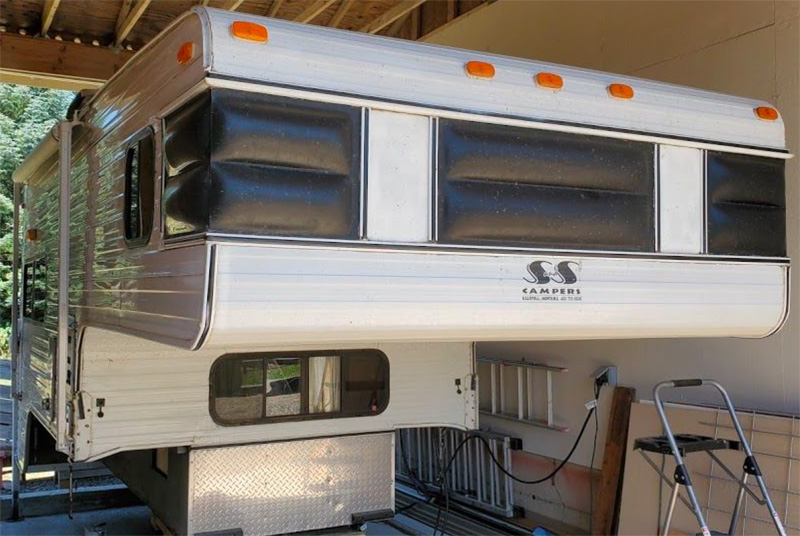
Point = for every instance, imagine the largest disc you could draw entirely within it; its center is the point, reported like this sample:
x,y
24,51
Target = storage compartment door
x,y
291,486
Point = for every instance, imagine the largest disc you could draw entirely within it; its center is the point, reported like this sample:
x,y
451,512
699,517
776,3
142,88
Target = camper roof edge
x,y
425,75
400,71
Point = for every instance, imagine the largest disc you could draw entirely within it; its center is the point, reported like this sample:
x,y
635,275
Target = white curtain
x,y
324,384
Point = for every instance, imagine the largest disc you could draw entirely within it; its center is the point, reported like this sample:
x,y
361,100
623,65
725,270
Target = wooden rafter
x,y
446,24
404,7
129,15
233,5
451,10
48,13
309,13
397,25
340,13
274,8
59,64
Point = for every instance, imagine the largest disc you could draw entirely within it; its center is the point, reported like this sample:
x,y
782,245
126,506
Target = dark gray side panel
x,y
503,185
746,205
248,163
167,495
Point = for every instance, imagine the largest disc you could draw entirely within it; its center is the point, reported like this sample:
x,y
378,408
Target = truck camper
x,y
262,247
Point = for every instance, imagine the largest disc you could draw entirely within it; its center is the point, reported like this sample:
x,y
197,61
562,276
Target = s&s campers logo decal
x,y
552,281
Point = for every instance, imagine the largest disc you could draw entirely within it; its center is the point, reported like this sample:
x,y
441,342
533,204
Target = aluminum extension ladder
x,y
682,444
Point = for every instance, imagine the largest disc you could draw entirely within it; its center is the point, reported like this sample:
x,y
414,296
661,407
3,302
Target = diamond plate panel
x,y
291,486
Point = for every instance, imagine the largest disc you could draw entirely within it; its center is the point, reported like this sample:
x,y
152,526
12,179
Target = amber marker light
x,y
766,113
185,53
32,235
620,91
249,31
480,69
549,81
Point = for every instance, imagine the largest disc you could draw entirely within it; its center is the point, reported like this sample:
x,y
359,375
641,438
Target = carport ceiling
x,y
73,44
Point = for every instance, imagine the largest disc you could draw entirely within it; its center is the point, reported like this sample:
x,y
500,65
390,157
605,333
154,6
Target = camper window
x,y
746,205
139,188
246,163
27,290
34,291
512,186
252,388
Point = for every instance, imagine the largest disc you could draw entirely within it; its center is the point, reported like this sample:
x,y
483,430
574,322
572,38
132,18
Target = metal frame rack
x,y
473,478
526,407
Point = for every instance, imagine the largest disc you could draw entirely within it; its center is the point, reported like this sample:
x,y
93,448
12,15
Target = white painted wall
x,y
751,49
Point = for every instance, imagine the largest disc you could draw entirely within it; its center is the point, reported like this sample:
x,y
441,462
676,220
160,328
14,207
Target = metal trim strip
x,y
262,241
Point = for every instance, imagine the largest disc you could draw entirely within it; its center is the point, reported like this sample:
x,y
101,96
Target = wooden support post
x,y
607,497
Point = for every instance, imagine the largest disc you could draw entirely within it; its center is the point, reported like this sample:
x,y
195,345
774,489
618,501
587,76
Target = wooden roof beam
x,y
35,61
398,11
336,20
309,13
129,15
48,13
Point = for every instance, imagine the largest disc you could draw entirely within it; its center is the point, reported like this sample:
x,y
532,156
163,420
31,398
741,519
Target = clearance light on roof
x,y
185,53
32,235
766,113
480,69
549,81
620,91
249,31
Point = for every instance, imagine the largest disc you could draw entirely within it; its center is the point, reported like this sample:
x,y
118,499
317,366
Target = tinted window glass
x,y
263,387
248,163
365,384
39,290
139,189
238,390
27,292
34,290
746,205
283,387
524,187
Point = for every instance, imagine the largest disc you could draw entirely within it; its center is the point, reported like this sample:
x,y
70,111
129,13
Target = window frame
x,y
29,290
146,223
304,357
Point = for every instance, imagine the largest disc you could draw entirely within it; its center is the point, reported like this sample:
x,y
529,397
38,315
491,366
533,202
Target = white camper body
x,y
276,209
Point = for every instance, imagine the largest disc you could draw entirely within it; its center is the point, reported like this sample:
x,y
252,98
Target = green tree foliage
x,y
26,115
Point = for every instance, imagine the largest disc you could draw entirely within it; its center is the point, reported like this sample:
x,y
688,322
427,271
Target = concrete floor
x,y
131,521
